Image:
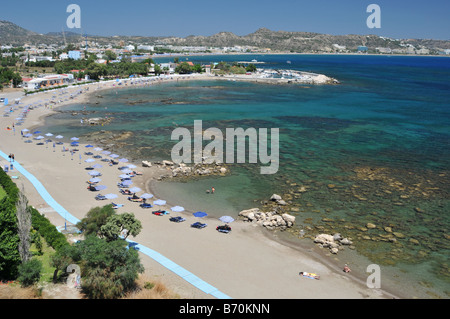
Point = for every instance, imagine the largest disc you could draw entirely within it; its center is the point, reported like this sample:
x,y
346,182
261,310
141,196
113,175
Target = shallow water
x,y
374,149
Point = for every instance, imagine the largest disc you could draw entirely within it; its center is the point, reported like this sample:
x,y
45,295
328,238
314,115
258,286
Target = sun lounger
x,y
223,229
198,225
116,206
100,197
146,205
136,200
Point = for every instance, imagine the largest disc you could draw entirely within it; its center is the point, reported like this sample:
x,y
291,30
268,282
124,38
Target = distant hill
x,y
13,34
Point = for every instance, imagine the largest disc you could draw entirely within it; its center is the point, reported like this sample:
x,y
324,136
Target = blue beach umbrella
x,y
89,146
90,160
226,219
97,166
37,132
111,196
159,202
95,180
123,160
135,190
94,173
127,183
100,187
146,196
200,214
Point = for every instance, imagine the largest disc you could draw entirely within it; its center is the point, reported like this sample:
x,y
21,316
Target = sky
x,y
400,19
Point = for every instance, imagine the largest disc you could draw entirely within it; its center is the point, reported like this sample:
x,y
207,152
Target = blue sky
x,y
399,18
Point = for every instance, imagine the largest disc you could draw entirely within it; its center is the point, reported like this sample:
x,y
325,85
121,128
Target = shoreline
x,y
248,231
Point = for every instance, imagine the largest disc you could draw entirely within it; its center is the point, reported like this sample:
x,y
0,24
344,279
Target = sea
x,y
373,150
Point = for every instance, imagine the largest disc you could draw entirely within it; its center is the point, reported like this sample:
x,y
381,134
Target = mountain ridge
x,y
294,41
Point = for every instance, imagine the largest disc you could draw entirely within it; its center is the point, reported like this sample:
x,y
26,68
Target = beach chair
x,y
6,168
116,206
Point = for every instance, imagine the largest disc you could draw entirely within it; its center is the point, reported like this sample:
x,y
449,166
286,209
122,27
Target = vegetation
x,y
95,219
186,68
7,76
30,272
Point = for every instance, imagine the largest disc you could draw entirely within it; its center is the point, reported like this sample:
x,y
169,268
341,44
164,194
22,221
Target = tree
x,y
23,226
251,68
109,269
95,219
157,69
62,259
197,68
183,68
110,55
30,272
120,225
9,238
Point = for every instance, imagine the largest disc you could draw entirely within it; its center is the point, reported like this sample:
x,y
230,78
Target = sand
x,y
245,264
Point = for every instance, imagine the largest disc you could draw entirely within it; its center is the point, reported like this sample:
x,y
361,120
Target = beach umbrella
x,y
200,214
89,146
127,171
98,149
37,132
135,190
39,138
159,202
131,166
123,176
146,196
97,166
25,130
177,209
106,152
49,134
114,156
95,180
127,183
100,187
90,160
111,196
28,135
74,144
226,219
123,160
59,137
94,173
74,139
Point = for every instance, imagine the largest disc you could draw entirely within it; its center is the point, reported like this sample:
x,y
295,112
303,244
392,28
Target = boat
x,y
288,62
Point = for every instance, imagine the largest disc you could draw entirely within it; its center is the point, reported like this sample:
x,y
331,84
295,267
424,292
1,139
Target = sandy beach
x,y
245,264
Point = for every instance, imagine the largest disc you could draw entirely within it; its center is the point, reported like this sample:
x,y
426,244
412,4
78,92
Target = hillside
x,y
13,34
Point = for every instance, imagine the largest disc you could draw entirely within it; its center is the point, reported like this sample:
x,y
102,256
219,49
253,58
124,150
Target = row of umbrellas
x,y
126,181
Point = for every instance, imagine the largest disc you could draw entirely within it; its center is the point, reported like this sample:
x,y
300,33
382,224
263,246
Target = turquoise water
x,y
373,149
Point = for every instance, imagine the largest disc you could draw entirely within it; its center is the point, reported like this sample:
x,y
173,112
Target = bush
x,y
30,272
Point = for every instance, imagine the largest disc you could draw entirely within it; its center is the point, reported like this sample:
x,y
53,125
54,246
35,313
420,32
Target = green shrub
x,y
30,272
